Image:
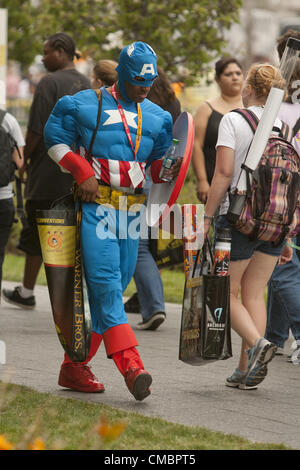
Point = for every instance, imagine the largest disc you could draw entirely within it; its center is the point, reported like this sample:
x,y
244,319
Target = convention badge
x,y
135,174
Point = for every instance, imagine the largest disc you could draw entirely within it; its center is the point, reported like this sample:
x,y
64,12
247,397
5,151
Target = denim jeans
x,y
297,239
148,282
7,212
283,302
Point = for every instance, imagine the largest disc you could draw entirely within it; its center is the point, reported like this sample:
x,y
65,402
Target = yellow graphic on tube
x,y
58,244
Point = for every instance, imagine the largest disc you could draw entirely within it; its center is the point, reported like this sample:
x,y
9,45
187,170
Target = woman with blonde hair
x,y
251,261
104,73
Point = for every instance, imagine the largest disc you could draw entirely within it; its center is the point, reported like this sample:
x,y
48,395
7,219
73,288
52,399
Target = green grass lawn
x,y
69,424
173,280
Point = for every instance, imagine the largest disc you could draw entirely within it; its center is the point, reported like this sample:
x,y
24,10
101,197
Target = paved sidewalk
x,y
194,396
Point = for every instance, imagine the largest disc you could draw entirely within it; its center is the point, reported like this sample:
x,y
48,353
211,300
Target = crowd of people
x,y
138,109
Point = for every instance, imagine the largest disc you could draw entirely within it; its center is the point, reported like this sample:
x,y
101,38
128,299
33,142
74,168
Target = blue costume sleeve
x,y
163,141
61,126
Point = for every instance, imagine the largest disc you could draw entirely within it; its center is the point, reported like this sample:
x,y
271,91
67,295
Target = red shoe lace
x,y
86,371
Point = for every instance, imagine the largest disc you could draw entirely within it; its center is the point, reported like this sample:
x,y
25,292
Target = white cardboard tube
x,y
262,133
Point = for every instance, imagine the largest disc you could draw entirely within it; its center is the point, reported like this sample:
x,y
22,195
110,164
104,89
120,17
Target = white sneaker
x,y
294,357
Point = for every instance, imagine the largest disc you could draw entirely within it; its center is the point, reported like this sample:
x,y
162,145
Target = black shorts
x,y
29,239
243,248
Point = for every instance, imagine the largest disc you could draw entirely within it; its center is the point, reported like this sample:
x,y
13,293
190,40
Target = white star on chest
x,y
115,117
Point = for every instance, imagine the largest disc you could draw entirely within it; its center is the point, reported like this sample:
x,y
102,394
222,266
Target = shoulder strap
x,y
249,116
99,96
285,131
253,121
296,127
209,105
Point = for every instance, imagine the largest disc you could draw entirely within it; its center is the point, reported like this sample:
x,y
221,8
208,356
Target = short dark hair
x,y
65,42
222,63
282,40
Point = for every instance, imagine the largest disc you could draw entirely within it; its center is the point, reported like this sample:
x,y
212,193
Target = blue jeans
x,y
148,282
283,302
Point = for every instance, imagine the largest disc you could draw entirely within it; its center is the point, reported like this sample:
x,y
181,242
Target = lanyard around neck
x,y
124,120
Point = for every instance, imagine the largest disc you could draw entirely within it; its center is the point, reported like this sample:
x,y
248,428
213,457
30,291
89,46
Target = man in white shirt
x,y
11,126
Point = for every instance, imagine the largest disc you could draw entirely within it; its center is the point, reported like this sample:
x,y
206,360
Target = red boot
x,y
138,382
120,342
131,367
78,376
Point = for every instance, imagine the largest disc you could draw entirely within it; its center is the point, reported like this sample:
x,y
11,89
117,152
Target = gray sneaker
x,y
14,297
235,380
280,351
258,357
153,322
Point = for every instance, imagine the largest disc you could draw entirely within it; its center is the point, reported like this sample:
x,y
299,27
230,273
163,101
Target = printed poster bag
x,y
205,333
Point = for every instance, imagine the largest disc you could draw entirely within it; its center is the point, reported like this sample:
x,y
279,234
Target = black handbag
x,y
205,333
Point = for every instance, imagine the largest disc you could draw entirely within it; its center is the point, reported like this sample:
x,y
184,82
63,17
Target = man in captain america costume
x,y
132,137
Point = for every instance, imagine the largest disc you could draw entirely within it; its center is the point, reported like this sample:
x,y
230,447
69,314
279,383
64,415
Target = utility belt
x,y
120,200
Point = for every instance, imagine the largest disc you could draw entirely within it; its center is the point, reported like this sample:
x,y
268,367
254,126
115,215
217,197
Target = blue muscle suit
x,y
109,254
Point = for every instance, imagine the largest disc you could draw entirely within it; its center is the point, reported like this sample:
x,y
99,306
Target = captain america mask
x,y
137,66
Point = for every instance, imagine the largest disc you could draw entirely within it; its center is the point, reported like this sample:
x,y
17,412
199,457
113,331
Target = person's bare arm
x,y
220,183
18,157
32,141
198,161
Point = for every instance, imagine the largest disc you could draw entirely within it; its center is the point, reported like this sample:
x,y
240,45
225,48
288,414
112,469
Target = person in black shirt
x,y
40,191
229,77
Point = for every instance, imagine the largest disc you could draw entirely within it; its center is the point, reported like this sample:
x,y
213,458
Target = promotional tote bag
x,y
205,334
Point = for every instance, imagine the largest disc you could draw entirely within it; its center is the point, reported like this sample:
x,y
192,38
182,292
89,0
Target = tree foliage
x,y
186,34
